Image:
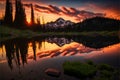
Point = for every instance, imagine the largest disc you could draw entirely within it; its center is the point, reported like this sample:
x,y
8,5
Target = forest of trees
x,y
91,24
98,24
20,16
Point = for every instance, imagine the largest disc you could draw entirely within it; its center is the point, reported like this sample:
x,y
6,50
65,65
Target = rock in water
x,y
52,72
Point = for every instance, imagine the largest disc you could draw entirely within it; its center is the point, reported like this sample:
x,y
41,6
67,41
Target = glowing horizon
x,y
74,11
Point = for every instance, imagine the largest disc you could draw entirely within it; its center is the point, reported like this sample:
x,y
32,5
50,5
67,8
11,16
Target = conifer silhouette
x,y
20,16
32,15
8,13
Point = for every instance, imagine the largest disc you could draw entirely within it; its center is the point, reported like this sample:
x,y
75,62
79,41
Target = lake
x,y
28,58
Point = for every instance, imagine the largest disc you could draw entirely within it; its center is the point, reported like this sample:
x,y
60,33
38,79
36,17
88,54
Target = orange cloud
x,y
110,11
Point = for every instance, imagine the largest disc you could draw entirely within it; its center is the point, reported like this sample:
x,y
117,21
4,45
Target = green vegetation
x,y
8,33
90,70
105,67
79,69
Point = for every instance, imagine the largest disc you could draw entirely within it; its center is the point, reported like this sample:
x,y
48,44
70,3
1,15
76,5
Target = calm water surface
x,y
27,59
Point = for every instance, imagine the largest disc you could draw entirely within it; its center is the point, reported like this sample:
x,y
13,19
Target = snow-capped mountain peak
x,y
59,23
60,20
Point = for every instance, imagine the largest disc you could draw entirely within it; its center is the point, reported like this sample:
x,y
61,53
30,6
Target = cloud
x,y
64,9
45,9
67,11
54,8
107,8
27,5
110,10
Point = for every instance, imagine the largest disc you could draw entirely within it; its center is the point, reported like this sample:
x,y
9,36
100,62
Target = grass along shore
x,y
9,33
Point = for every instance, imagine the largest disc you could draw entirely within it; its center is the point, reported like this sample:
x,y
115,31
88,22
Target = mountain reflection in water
x,y
21,50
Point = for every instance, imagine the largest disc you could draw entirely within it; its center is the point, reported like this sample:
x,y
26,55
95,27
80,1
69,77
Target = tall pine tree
x,y
20,16
8,13
32,15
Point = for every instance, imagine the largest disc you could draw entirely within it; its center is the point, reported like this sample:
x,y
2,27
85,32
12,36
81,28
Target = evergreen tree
x,y
20,16
38,21
8,13
32,15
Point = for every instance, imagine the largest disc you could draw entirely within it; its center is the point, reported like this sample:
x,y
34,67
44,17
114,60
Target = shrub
x,y
105,67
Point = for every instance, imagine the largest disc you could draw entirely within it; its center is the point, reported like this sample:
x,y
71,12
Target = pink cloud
x,y
65,11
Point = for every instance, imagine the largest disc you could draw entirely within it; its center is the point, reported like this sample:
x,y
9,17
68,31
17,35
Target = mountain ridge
x,y
59,23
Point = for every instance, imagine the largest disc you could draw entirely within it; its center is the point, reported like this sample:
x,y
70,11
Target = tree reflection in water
x,y
9,47
34,48
17,49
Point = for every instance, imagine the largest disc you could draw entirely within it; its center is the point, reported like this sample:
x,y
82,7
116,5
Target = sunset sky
x,y
74,10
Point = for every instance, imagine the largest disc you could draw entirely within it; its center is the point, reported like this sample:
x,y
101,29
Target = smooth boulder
x,y
52,72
